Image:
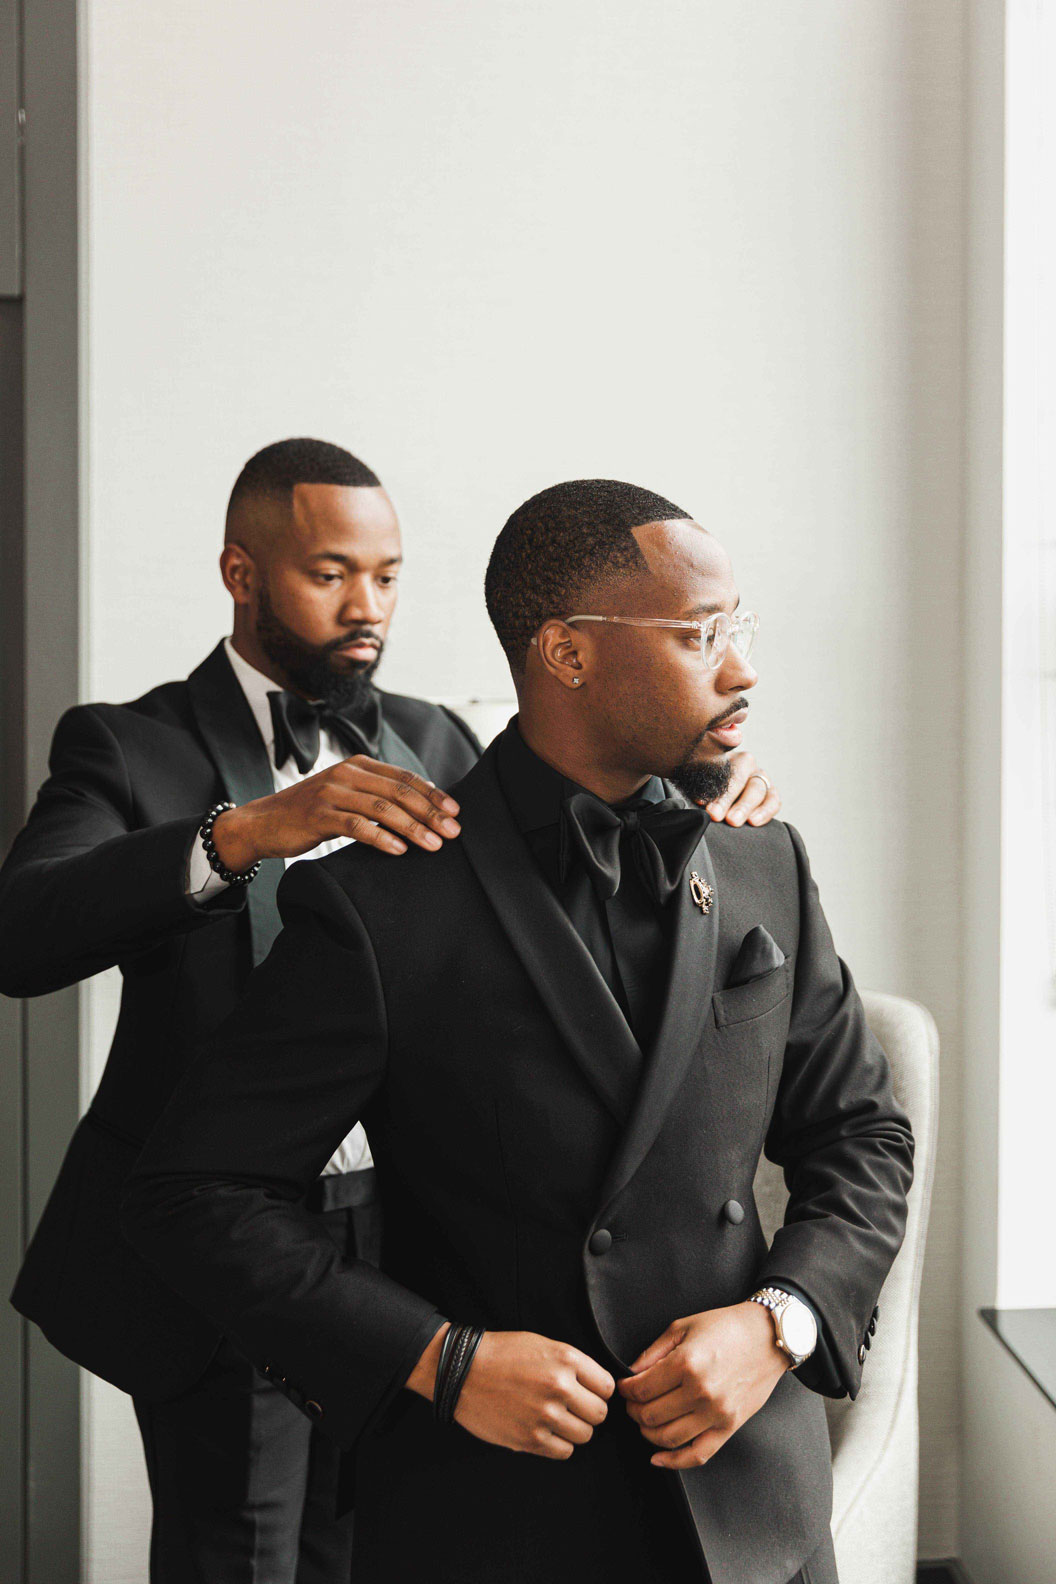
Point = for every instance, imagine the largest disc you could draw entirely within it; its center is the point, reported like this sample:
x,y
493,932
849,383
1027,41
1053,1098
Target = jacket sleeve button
x,y
600,1241
861,1354
313,1408
733,1210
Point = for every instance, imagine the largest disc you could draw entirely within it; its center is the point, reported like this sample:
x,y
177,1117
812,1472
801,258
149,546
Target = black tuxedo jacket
x,y
448,1002
97,877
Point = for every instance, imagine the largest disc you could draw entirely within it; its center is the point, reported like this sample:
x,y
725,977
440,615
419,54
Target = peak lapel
x,y
559,965
236,747
692,975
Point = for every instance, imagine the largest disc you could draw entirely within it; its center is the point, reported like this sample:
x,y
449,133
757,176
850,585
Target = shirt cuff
x,y
202,882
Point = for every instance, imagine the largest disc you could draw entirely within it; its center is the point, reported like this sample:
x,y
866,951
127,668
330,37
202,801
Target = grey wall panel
x,y
10,182
12,1092
51,1073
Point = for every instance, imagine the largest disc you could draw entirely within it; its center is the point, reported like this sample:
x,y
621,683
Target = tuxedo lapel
x,y
691,978
393,750
560,966
229,729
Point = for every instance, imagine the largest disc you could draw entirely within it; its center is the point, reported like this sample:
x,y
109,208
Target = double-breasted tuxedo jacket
x,y
447,1001
97,877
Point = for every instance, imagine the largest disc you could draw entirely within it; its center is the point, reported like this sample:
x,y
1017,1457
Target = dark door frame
x,y
40,676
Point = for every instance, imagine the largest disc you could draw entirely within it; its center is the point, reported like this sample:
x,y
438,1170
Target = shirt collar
x,y
256,686
534,790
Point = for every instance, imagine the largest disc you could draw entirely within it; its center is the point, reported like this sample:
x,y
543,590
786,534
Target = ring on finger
x,y
764,779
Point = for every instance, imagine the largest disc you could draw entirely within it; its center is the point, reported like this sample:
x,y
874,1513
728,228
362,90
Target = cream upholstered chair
x,y
874,1439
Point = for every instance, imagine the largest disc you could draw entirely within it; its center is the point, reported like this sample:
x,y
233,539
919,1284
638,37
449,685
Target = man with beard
x,y
157,844
570,1035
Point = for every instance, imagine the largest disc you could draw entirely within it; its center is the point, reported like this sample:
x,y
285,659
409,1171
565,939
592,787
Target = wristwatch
x,y
795,1329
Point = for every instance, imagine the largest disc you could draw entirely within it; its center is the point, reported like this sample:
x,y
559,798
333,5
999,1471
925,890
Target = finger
x,y
766,811
569,1426
661,1410
699,1450
654,1382
434,795
591,1375
358,828
741,767
659,1349
382,811
754,792
402,788
677,1433
587,1405
548,1445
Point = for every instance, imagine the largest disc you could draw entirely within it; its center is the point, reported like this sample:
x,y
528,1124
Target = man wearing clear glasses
x,y
570,1035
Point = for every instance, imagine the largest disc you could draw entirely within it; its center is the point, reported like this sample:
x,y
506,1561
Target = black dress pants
x,y
242,1482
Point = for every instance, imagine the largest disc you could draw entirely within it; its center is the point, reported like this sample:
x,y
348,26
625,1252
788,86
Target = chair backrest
x,y
910,1040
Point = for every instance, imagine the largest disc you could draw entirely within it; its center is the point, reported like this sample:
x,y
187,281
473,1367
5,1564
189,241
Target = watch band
x,y
777,1301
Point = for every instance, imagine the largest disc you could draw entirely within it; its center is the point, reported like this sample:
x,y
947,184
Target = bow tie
x,y
297,721
661,838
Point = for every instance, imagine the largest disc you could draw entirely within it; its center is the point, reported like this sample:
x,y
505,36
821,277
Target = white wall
x,y
1008,1528
716,250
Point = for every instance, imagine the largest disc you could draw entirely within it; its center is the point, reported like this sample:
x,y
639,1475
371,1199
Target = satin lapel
x,y
561,968
692,976
393,750
227,724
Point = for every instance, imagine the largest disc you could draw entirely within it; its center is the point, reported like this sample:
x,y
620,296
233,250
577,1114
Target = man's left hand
x,y
699,1382
748,798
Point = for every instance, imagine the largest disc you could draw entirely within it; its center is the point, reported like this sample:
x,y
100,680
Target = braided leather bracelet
x,y
216,863
456,1355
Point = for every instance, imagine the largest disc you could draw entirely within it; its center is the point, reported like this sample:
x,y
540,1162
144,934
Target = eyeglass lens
x,y
720,632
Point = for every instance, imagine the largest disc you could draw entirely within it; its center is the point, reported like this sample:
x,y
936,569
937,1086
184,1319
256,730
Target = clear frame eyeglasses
x,y
717,632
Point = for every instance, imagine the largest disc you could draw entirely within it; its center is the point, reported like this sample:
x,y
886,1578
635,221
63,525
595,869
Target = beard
x,y
701,780
310,669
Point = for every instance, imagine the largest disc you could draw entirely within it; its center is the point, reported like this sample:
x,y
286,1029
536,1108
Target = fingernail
x,y
432,840
450,828
398,846
450,805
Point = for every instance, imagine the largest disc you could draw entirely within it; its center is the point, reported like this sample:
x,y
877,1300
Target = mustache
x,y
354,635
717,720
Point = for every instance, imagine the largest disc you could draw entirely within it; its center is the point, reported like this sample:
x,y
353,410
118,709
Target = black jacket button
x,y
733,1210
600,1241
872,1326
313,1408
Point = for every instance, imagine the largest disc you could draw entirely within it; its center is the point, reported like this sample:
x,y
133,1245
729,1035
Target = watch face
x,y
798,1331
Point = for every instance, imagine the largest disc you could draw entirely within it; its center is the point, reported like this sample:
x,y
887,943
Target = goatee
x,y
311,670
701,780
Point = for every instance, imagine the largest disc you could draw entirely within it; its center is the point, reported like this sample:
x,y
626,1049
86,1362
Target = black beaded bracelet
x,y
216,863
456,1355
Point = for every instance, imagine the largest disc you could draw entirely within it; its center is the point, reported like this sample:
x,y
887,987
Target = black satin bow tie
x,y
661,838
296,723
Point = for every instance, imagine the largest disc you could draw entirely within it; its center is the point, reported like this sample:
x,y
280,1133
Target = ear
x,y
239,572
563,654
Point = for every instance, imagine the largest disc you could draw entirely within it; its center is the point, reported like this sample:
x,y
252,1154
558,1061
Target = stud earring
x,y
576,681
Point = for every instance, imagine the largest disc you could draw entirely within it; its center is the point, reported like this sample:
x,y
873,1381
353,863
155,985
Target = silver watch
x,y
795,1329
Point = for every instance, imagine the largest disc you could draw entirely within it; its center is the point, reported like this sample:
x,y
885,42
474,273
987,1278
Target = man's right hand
x,y
379,804
525,1392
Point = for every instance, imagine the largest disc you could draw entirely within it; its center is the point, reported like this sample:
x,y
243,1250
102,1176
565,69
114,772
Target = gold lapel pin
x,y
701,892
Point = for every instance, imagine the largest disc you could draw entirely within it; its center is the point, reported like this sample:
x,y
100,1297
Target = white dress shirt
x,y
353,1154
